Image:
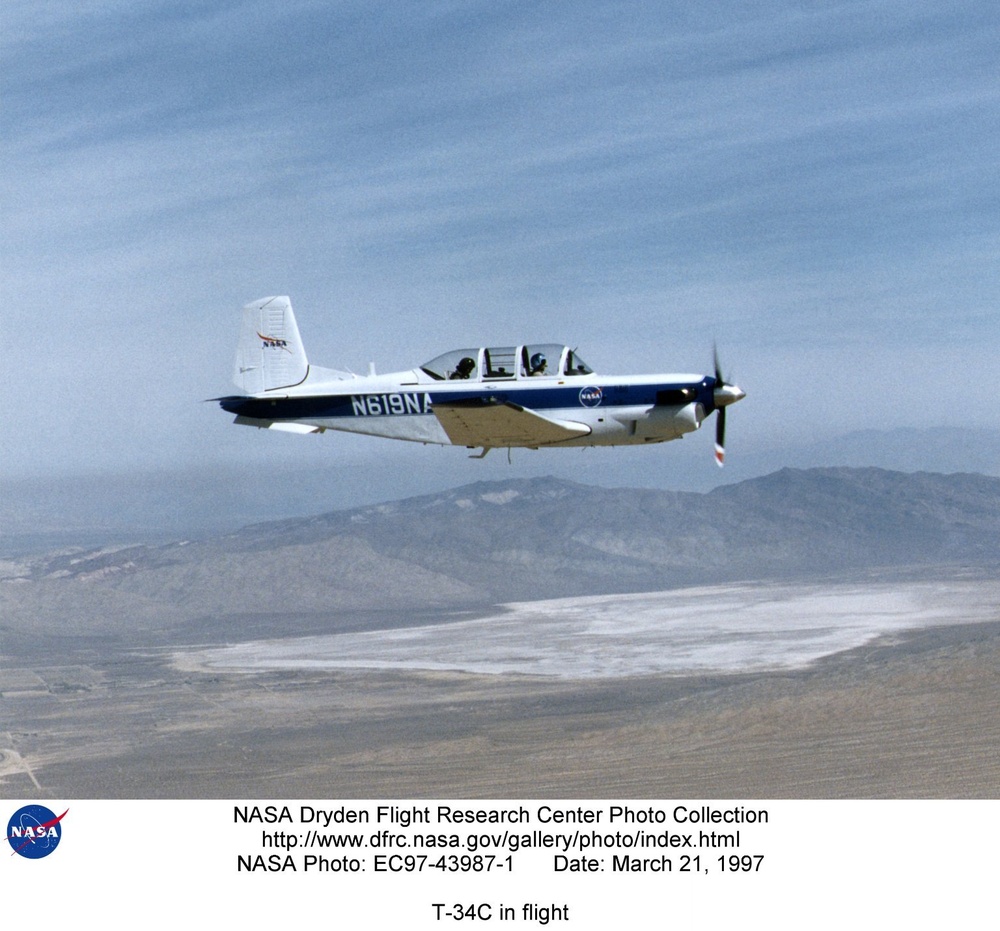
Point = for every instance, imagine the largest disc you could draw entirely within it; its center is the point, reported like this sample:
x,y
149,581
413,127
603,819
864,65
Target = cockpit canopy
x,y
494,363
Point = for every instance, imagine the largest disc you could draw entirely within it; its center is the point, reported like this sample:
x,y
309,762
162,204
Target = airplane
x,y
492,397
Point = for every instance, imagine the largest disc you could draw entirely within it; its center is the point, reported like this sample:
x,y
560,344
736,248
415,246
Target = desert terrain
x,y
871,688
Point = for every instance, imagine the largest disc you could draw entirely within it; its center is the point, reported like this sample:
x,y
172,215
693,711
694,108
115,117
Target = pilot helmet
x,y
537,362
465,365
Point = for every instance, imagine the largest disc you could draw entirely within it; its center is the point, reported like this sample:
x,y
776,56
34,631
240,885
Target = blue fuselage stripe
x,y
418,399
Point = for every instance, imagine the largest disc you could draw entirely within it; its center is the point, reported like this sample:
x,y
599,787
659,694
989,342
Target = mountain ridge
x,y
527,539
206,497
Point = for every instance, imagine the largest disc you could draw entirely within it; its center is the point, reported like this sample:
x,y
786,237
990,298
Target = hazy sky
x,y
813,185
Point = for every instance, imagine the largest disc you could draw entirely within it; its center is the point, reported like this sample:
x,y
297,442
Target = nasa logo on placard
x,y
591,396
34,831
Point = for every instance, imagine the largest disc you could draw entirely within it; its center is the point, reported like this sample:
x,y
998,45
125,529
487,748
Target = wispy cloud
x,y
642,177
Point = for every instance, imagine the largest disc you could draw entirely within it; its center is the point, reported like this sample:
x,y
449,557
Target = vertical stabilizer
x,y
270,353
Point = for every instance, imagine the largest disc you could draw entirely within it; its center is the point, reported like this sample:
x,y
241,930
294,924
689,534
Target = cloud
x,y
639,179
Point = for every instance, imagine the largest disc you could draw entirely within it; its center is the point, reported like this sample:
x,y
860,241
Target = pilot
x,y
537,364
464,368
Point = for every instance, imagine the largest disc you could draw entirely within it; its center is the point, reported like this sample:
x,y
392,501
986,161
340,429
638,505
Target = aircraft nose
x,y
728,394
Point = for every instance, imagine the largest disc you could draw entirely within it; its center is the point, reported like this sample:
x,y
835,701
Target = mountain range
x,y
520,539
525,536
45,511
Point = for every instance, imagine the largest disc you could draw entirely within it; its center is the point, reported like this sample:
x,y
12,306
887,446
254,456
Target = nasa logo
x,y
591,397
34,831
270,342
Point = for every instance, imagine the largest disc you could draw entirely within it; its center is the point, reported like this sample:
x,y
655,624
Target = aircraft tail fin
x,y
270,353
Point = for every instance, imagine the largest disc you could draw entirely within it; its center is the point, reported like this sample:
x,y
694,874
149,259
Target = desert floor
x,y
873,689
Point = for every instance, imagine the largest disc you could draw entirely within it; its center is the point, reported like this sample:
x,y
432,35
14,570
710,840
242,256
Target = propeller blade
x,y
720,436
723,395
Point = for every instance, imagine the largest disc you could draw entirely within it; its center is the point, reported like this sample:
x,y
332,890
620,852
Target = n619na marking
x,y
378,405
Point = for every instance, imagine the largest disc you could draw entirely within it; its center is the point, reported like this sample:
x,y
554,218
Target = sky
x,y
810,186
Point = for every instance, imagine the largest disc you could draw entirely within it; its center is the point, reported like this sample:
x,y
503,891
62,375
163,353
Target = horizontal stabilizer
x,y
502,424
282,426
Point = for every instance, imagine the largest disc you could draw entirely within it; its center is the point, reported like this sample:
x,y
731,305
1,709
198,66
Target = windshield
x,y
575,365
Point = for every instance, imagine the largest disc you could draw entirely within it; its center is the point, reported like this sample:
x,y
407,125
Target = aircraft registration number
x,y
377,405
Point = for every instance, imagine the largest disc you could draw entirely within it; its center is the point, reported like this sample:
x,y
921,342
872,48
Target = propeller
x,y
724,395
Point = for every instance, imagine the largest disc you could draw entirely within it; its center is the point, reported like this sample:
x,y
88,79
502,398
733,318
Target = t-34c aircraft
x,y
535,395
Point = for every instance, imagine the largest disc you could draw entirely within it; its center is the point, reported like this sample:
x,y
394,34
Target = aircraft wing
x,y
498,424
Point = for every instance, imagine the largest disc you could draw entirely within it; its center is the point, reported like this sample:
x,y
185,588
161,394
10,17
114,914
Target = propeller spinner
x,y
724,395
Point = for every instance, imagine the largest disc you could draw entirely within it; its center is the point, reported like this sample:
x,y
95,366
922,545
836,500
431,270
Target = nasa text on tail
x,y
532,395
